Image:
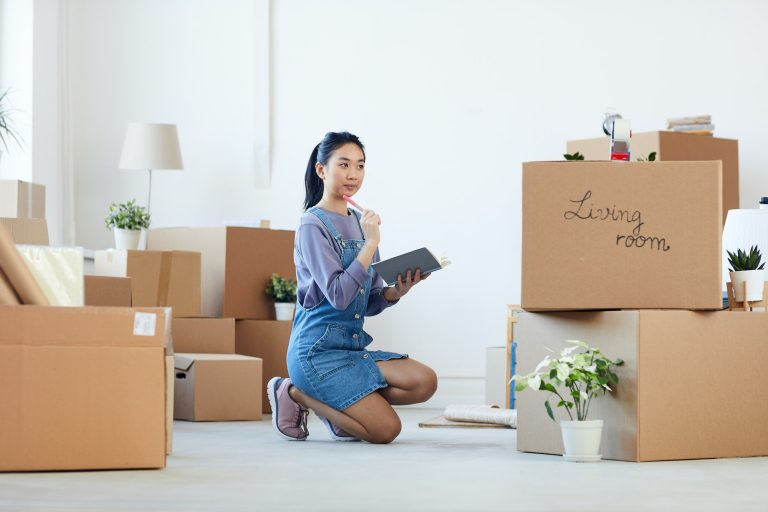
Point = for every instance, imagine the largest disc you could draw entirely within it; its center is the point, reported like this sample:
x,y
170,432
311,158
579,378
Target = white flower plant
x,y
586,375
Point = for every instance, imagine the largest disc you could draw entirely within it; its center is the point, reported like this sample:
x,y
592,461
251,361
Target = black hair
x,y
322,152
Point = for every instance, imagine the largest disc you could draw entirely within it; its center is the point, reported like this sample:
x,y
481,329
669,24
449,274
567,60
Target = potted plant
x,y
127,220
746,267
283,291
7,130
575,379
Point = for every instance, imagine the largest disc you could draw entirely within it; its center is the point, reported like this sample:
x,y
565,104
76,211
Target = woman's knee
x,y
385,430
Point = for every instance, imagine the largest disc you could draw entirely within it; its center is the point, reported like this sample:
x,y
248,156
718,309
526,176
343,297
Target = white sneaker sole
x,y
272,396
328,427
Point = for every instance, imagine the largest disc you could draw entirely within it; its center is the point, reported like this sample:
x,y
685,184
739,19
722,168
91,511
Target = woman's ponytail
x,y
322,152
312,182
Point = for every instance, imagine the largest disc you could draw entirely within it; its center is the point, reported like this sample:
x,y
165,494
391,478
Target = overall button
x,y
362,291
365,356
355,336
357,316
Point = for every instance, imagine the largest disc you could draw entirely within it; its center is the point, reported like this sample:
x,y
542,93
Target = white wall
x,y
449,97
16,27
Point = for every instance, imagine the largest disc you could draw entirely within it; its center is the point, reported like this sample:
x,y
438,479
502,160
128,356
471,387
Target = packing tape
x,y
166,263
17,272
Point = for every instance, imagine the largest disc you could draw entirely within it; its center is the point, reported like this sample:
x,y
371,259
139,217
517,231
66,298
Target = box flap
x,y
183,361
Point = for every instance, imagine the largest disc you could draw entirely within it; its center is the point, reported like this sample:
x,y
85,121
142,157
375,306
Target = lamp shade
x,y
151,146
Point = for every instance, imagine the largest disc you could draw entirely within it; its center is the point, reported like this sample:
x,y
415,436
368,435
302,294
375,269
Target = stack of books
x,y
698,125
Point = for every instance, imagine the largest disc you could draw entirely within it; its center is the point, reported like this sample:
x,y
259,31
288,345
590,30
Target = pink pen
x,y
350,201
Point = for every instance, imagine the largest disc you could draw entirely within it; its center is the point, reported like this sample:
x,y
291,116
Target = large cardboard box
x,y
82,388
22,199
159,278
268,340
108,291
237,264
675,146
613,235
689,389
26,231
217,387
204,335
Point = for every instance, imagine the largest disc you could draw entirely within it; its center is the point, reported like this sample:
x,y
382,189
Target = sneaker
x,y
289,418
337,433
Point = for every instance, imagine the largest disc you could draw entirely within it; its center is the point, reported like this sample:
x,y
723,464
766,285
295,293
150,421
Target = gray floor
x,y
243,466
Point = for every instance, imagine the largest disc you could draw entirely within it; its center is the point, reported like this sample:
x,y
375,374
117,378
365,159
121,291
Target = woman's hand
x,y
403,287
370,222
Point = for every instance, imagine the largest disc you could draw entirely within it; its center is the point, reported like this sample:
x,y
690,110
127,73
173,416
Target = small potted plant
x,y
746,267
283,291
574,379
127,220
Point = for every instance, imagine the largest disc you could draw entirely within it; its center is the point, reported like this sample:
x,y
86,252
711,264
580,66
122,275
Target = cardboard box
x,y
495,373
204,335
22,199
689,389
82,388
217,387
170,385
613,235
26,231
268,340
159,278
237,264
675,146
108,291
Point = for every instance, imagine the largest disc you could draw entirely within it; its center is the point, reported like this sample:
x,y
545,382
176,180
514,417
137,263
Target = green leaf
x,y
549,410
652,157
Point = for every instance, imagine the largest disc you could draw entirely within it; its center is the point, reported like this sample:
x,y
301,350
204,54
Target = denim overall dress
x,y
326,357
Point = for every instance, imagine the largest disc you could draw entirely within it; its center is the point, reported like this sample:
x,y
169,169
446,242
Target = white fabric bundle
x,y
481,414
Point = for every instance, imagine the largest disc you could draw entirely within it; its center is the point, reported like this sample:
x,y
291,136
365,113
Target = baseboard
x,y
455,390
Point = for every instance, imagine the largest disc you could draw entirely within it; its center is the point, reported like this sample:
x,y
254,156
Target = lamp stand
x,y
149,193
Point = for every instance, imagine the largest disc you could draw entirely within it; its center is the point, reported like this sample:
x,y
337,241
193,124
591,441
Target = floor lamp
x,y
151,147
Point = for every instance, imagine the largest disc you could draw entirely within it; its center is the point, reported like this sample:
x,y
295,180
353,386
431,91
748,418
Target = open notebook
x,y
419,259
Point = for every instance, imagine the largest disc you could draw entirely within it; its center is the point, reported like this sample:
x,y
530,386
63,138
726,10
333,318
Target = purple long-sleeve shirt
x,y
319,271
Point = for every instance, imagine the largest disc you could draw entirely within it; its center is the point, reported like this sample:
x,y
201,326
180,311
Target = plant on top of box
x,y
575,377
747,273
127,220
283,291
7,131
651,157
575,156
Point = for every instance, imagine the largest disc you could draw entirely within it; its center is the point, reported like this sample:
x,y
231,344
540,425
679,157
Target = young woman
x,y
351,389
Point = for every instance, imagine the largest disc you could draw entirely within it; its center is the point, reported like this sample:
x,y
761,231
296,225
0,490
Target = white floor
x,y
243,466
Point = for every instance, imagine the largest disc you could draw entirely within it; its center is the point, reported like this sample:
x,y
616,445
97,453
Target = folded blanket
x,y
481,414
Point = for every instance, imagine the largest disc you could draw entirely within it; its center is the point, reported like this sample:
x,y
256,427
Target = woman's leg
x,y
371,419
410,382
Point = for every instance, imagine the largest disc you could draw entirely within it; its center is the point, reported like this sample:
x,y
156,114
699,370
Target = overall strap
x,y
359,215
320,214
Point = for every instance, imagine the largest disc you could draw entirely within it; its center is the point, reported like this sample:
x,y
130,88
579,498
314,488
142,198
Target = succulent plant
x,y
127,216
741,260
575,156
651,157
280,289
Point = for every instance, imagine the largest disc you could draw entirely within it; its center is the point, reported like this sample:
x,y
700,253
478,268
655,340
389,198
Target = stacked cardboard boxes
x,y
643,239
80,387
237,264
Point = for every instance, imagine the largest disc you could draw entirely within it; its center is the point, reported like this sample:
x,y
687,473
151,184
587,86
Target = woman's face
x,y
344,172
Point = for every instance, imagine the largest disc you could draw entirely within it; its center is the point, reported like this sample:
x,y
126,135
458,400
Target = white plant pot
x,y
581,440
127,239
284,310
755,280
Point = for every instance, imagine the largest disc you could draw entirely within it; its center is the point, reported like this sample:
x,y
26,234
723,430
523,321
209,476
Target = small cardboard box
x,y
669,403
26,231
22,199
159,278
82,388
204,335
237,263
108,291
217,387
613,235
268,340
675,146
